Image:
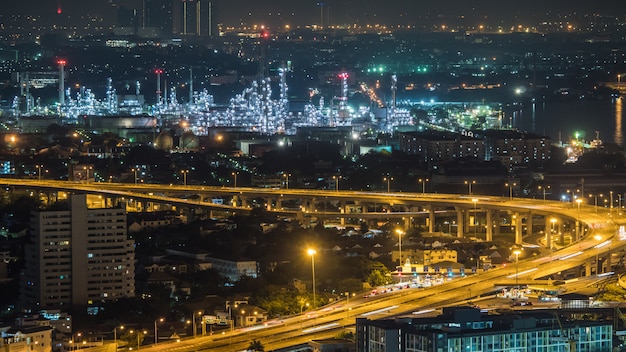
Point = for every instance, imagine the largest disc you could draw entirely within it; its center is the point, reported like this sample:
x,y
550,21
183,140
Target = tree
x,y
256,346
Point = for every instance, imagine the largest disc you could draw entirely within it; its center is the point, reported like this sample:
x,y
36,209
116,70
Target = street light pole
x,y
388,179
512,184
423,182
184,172
400,233
312,253
286,176
469,186
156,330
235,175
115,335
336,178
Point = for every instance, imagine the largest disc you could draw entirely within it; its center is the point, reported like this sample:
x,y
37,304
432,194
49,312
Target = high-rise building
x,y
77,257
191,17
158,16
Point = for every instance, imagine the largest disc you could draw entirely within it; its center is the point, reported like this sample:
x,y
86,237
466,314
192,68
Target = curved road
x,y
605,232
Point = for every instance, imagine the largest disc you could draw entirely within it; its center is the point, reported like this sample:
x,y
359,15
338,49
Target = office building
x,y
77,257
467,329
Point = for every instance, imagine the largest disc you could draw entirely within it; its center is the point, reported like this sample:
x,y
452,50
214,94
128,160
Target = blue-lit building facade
x,y
469,330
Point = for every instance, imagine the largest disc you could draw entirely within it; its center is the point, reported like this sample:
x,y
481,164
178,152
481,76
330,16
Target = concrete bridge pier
x,y
431,219
460,221
488,225
547,229
529,224
516,221
588,266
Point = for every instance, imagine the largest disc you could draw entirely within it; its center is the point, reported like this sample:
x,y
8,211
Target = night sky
x,y
297,12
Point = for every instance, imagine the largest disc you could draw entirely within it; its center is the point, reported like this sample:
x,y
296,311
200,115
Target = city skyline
x,y
337,12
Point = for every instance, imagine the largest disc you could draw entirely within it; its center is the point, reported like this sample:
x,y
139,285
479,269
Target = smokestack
x,y
61,82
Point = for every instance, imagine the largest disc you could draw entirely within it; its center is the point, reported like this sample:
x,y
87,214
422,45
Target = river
x,y
560,120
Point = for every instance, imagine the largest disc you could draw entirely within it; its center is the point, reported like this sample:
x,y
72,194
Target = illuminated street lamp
x,y
184,172
194,323
134,170
595,196
543,188
235,173
39,172
336,178
469,186
156,330
86,169
400,233
312,253
138,333
388,179
423,182
286,176
115,335
513,184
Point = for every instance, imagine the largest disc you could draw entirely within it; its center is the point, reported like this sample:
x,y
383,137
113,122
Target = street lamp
x,y
115,335
194,323
235,173
388,179
138,342
511,185
543,188
336,178
74,338
184,172
423,182
286,176
134,170
400,233
87,168
312,253
39,172
469,186
156,330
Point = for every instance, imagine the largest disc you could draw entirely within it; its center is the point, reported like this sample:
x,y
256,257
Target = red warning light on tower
x,y
158,71
343,75
62,62
265,34
59,8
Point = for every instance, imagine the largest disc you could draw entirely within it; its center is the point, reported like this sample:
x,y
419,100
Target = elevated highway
x,y
599,233
482,214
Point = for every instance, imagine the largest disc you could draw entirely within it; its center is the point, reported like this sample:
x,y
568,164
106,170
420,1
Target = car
x,y
521,303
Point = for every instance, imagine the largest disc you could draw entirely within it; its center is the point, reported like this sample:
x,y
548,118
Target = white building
x,y
234,269
26,338
77,257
